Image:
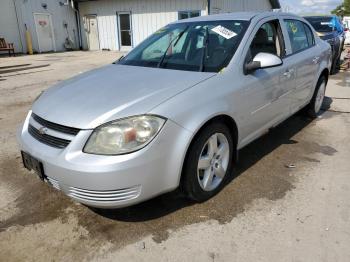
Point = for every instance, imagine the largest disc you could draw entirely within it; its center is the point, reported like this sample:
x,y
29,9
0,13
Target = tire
x,y
196,182
337,63
317,99
335,66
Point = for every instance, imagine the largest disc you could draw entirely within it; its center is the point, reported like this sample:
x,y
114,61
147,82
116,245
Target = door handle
x,y
316,59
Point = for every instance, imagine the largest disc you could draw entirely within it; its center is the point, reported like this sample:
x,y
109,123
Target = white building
x,y
122,24
49,22
103,24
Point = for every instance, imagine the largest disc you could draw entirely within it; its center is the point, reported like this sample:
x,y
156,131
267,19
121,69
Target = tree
x,y
342,9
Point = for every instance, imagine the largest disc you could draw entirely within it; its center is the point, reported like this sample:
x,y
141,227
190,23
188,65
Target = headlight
x,y
124,136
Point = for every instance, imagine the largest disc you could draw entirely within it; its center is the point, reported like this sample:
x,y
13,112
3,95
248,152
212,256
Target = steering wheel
x,y
220,48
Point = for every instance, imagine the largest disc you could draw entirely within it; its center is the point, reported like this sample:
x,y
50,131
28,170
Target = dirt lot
x,y
267,213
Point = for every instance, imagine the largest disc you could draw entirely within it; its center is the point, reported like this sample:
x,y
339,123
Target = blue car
x,y
330,29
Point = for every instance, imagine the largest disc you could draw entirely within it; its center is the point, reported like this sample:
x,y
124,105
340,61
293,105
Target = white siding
x,y
147,16
226,6
8,24
257,5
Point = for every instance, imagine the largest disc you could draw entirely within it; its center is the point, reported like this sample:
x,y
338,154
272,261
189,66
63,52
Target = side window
x,y
297,34
268,39
309,35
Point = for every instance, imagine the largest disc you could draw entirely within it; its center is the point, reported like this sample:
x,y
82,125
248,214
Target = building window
x,y
188,14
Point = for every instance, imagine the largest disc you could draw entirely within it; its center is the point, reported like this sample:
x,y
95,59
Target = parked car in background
x,y
176,110
346,25
330,29
347,36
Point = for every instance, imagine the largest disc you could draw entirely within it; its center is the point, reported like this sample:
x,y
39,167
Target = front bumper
x,y
112,181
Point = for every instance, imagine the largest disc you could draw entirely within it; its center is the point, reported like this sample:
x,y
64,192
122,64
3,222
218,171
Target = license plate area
x,y
32,163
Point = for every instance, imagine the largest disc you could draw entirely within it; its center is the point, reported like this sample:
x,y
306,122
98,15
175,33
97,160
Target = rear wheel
x,y
317,100
208,163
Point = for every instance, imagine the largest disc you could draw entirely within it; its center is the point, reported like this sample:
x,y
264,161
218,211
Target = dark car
x,y
330,29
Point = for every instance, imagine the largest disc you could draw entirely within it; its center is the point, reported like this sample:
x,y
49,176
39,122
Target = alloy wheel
x,y
213,162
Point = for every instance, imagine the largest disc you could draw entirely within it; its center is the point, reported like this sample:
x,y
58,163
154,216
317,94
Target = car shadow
x,y
248,156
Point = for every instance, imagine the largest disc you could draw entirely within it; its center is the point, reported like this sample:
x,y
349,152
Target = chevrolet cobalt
x,y
175,111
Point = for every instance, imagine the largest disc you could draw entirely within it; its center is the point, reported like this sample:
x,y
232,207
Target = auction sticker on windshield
x,y
224,32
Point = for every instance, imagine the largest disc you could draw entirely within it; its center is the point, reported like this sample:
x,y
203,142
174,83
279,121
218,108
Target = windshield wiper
x,y
205,50
177,38
119,59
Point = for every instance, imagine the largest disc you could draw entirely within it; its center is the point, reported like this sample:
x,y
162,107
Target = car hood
x,y
112,92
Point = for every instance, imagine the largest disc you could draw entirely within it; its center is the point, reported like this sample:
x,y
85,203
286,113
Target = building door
x,y
43,27
125,31
91,29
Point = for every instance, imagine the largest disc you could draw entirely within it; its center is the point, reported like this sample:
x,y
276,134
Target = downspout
x,y
72,3
77,17
209,6
19,29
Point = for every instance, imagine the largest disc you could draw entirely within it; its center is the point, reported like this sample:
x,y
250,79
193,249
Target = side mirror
x,y
262,60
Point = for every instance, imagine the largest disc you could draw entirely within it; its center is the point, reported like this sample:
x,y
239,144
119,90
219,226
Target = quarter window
x,y
300,35
188,14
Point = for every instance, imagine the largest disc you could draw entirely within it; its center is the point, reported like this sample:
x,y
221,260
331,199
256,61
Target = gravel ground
x,y
267,213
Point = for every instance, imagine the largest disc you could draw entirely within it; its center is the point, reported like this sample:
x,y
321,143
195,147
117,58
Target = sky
x,y
309,6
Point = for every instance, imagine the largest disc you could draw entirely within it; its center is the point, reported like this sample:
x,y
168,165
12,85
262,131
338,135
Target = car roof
x,y
244,16
320,16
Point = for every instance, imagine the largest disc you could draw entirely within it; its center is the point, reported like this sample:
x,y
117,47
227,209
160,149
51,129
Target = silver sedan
x,y
175,111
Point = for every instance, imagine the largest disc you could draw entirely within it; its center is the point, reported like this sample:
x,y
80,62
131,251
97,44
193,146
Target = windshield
x,y
322,24
196,46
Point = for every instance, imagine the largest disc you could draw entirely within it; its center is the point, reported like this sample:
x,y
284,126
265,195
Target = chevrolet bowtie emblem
x,y
43,130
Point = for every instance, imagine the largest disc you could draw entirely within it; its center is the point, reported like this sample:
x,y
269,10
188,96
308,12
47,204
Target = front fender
x,y
196,106
193,108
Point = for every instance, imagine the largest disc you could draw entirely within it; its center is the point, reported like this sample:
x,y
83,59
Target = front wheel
x,y
317,99
208,163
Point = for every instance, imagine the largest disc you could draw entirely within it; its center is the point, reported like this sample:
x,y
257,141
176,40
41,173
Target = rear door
x,y
302,53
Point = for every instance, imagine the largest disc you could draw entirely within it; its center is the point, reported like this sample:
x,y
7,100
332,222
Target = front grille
x,y
53,182
47,139
105,195
62,134
56,127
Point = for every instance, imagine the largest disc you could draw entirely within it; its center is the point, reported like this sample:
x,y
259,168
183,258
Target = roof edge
x,y
275,4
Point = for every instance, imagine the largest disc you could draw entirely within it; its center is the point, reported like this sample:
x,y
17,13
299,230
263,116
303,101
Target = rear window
x,y
322,24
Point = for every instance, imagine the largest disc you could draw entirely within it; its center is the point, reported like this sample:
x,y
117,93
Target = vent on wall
x,y
64,3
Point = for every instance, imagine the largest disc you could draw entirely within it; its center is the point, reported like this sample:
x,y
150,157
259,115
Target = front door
x,y
125,31
91,29
264,102
43,27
